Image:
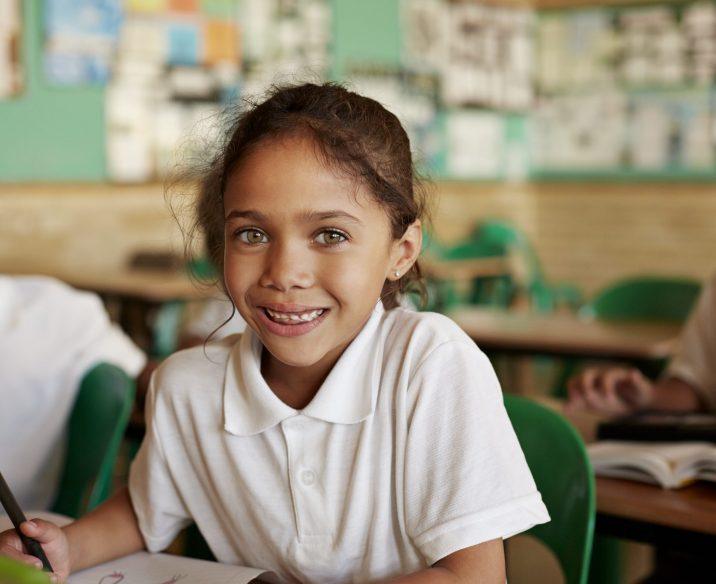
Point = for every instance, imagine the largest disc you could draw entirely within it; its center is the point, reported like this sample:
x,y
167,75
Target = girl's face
x,y
306,253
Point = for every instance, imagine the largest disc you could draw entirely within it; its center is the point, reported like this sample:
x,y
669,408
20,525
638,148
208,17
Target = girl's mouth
x,y
292,324
294,317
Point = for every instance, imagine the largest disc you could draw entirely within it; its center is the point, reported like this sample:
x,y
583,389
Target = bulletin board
x,y
58,133
627,92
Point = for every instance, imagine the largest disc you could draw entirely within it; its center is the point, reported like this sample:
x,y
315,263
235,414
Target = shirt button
x,y
308,477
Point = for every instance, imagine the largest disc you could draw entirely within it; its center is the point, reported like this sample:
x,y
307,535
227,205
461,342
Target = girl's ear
x,y
405,251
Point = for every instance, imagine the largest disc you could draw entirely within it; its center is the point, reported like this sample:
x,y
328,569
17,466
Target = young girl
x,y
341,438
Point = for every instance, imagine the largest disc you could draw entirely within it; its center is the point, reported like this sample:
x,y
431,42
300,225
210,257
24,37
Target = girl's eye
x,y
252,236
331,237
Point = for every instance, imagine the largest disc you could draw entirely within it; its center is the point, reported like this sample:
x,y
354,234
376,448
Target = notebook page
x,y
146,568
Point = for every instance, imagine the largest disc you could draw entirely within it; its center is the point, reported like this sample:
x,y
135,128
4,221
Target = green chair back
x,y
96,426
558,460
645,298
12,572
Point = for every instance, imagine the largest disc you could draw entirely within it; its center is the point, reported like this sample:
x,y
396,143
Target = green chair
x,y
561,469
12,572
96,426
494,238
645,298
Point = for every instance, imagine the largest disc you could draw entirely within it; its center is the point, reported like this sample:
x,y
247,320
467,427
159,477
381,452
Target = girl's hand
x,y
613,391
53,541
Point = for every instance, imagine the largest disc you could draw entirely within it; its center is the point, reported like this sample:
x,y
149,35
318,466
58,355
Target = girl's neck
x,y
294,386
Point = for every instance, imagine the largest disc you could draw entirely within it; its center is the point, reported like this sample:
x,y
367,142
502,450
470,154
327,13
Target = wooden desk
x,y
566,335
677,518
153,286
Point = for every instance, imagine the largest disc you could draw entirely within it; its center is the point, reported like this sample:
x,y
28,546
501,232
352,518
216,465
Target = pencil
x,y
17,517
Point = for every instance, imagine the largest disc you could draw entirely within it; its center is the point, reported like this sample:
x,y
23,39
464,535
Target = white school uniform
x,y
404,456
50,336
695,362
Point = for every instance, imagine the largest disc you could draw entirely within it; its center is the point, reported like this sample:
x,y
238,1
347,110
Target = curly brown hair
x,y
355,134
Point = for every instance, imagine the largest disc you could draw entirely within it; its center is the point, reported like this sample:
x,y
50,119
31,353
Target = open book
x,y
669,464
146,568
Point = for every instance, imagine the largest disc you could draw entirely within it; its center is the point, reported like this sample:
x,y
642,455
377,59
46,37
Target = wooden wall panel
x,y
585,233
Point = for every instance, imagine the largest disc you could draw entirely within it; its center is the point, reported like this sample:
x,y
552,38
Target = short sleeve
x,y
695,362
161,512
466,479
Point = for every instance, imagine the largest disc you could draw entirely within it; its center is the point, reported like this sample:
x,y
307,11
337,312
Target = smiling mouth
x,y
290,318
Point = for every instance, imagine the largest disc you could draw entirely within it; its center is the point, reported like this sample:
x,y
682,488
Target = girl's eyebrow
x,y
255,215
305,217
310,216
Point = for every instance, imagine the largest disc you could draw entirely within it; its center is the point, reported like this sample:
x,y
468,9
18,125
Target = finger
x,y
590,378
617,387
39,529
20,556
12,539
596,401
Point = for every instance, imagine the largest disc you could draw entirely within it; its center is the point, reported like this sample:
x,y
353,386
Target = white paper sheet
x,y
146,568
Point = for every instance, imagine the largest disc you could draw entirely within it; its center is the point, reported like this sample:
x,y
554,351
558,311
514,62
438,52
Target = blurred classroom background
x,y
571,145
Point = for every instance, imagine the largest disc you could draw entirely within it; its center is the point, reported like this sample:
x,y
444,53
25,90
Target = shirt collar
x,y
347,396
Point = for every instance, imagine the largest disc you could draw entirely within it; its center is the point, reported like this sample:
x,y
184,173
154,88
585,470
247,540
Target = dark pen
x,y
17,517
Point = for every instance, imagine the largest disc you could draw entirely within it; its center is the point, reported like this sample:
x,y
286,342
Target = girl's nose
x,y
287,266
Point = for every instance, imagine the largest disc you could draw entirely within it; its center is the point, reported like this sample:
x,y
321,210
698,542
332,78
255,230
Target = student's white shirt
x,y
404,456
695,361
50,336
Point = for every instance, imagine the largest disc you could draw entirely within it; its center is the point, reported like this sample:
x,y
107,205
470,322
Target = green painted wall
x,y
365,31
50,133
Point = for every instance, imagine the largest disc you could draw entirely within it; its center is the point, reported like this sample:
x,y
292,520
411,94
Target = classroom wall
x,y
587,234
593,233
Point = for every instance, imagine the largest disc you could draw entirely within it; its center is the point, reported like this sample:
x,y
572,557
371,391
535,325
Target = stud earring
x,y
397,274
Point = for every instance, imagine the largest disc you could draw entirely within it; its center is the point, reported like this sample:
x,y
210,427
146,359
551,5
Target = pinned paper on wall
x,y
425,33
147,6
185,43
10,66
80,40
475,144
412,98
286,41
222,42
580,132
190,6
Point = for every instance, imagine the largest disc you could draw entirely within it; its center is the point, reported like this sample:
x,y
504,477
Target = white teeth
x,y
295,317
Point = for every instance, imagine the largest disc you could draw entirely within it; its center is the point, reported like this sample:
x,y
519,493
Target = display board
x,y
470,81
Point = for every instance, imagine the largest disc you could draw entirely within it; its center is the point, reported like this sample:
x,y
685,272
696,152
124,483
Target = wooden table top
x,y
691,508
148,285
566,334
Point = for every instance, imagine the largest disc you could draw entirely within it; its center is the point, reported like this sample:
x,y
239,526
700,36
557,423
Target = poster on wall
x,y
80,40
10,65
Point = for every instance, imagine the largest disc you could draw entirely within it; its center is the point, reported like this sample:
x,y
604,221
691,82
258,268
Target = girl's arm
x,y
109,531
484,563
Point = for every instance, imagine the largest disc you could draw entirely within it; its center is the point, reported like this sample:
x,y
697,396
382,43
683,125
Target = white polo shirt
x,y
404,456
695,361
50,336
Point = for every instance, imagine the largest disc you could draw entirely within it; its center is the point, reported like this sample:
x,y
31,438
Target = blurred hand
x,y
613,391
53,541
